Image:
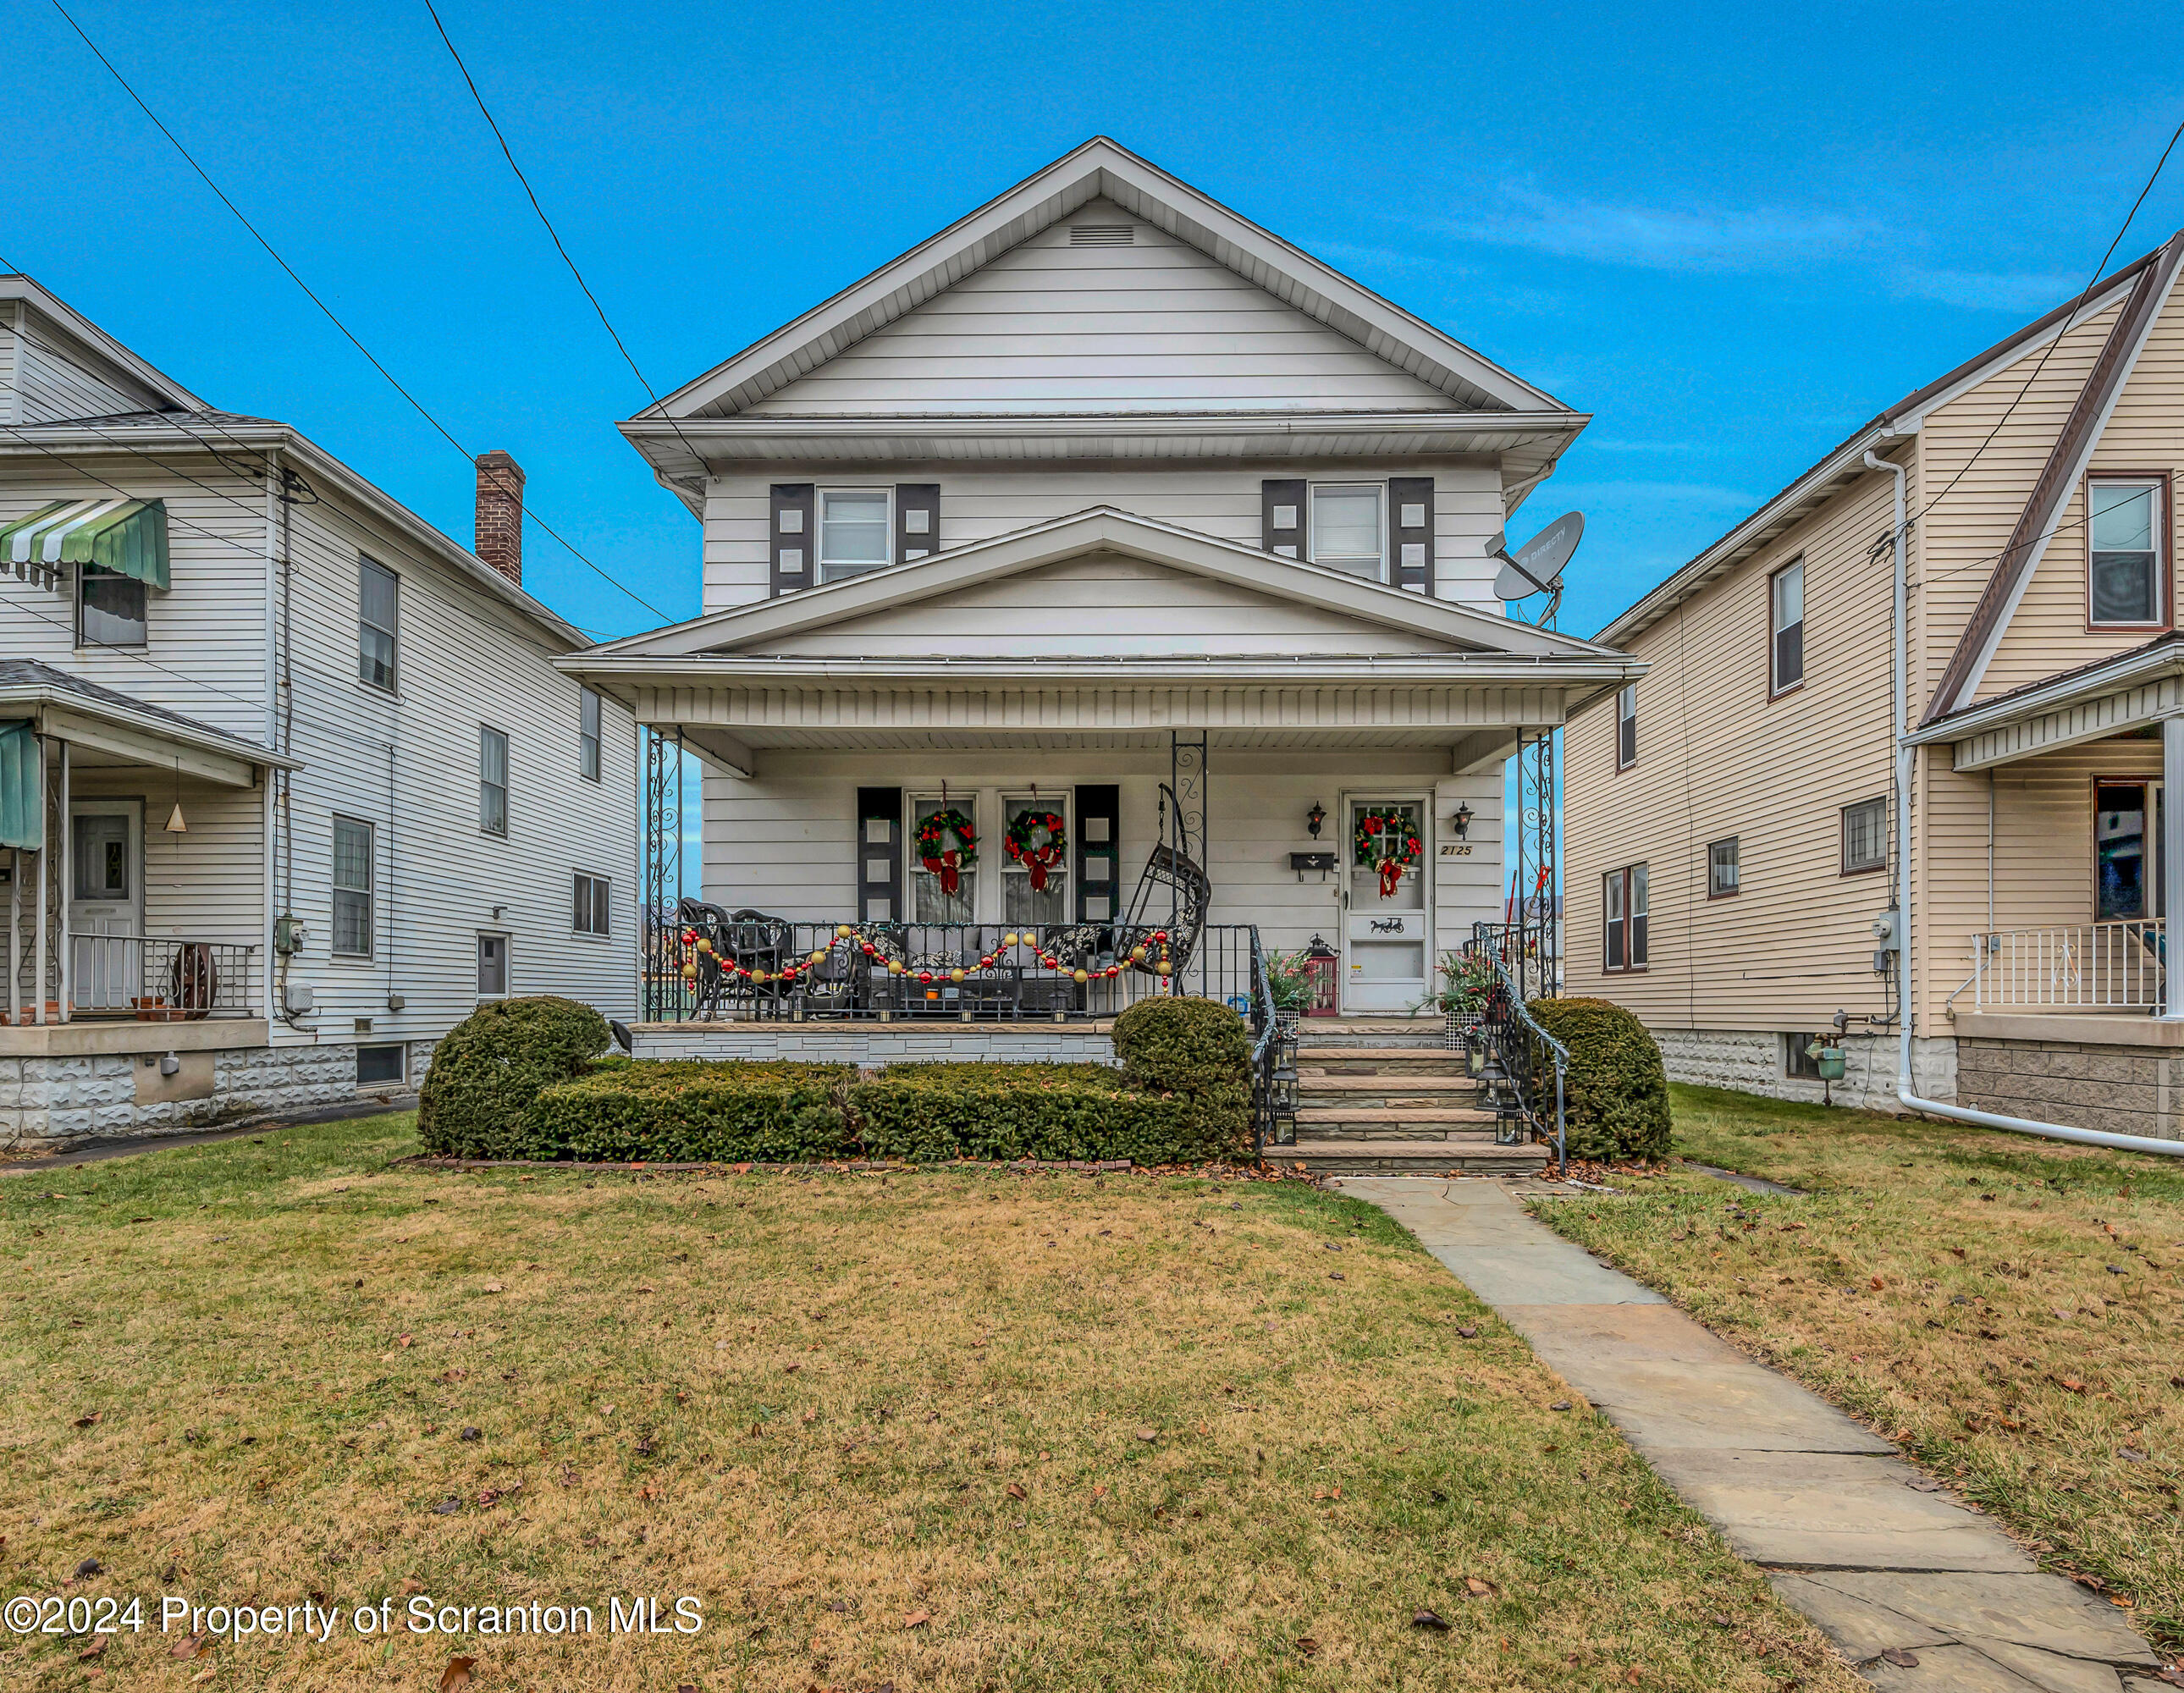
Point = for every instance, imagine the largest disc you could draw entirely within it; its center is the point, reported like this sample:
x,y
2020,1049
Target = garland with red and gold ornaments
x,y
1387,841
945,861
1037,859
696,946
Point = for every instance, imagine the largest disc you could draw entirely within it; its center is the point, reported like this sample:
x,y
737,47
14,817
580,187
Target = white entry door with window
x,y
1387,926
106,902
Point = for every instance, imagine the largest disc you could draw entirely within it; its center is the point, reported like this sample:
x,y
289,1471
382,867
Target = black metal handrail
x,y
1510,1031
1265,1049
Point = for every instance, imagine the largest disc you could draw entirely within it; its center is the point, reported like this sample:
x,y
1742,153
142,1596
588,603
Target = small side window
x,y
493,781
1865,836
378,593
1626,726
1722,868
2125,544
1785,594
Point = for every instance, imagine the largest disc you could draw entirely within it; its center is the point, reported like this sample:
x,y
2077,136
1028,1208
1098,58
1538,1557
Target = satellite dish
x,y
1537,566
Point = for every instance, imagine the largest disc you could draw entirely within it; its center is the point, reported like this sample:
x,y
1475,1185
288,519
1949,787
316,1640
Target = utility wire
x,y
331,316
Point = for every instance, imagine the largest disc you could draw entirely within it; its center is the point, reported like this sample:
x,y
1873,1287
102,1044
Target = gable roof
x,y
19,295
1820,483
1109,529
1102,169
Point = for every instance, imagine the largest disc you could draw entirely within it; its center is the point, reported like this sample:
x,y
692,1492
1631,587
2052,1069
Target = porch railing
x,y
159,979
2072,967
1519,1056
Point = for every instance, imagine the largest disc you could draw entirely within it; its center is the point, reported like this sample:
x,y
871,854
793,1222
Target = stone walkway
x,y
1920,1594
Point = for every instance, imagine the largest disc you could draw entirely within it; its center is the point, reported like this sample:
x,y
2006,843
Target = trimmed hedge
x,y
695,1113
1185,1045
927,1112
486,1070
1616,1093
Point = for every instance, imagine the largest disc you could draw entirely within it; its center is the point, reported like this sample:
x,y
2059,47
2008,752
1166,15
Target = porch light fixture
x,y
1461,822
1315,817
176,824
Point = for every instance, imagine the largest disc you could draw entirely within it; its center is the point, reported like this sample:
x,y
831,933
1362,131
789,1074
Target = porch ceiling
x,y
105,727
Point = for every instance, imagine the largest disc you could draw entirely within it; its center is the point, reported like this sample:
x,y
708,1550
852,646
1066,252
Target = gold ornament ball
x,y
819,957
1161,966
955,975
1137,954
759,976
846,930
1009,939
1083,975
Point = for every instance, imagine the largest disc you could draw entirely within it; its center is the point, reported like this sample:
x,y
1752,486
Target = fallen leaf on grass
x,y
411,1584
917,1619
494,1287
191,1645
2071,1385
1308,1646
1478,1588
402,1339
1428,1619
1015,1490
456,1675
91,1652
1148,1434
1878,1284
1468,1331
90,1419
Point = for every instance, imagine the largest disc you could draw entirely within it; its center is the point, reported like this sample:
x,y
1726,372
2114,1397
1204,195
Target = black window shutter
x,y
1099,852
917,520
879,854
1411,498
795,537
1282,516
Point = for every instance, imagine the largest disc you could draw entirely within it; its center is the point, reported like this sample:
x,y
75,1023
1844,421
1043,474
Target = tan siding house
x,y
2044,671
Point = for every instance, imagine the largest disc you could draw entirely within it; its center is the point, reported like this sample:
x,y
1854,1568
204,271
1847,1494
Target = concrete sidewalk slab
x,y
1888,1570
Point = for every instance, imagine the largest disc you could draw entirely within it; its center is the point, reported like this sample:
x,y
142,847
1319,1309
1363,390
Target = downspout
x,y
1909,1100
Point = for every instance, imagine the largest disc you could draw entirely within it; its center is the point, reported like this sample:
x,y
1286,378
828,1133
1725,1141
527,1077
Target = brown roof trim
x,y
2057,477
2061,678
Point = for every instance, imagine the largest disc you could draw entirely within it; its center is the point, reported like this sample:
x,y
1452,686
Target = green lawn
x,y
951,1430
2005,1308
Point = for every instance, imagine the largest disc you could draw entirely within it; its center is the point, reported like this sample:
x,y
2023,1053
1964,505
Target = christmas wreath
x,y
947,845
1038,840
1387,841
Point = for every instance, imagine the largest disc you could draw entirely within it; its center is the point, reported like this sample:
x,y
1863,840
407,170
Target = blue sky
x,y
1732,233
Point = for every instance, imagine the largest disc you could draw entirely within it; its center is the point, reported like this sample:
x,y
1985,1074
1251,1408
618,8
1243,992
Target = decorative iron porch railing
x,y
2108,967
1525,1069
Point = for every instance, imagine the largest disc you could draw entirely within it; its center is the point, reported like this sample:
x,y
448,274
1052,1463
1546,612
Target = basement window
x,y
380,1064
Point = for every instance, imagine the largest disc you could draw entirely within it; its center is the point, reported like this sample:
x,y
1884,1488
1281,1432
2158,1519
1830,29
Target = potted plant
x,y
1289,982
1467,979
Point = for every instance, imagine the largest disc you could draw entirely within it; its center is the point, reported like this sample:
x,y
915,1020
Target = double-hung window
x,y
2127,828
1349,527
109,609
1623,914
492,781
353,887
378,591
2126,541
591,905
1786,599
1723,868
856,526
1626,726
588,736
1865,836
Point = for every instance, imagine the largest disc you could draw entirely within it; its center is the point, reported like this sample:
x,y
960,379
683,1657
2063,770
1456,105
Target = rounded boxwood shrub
x,y
476,1102
1183,1045
1615,1093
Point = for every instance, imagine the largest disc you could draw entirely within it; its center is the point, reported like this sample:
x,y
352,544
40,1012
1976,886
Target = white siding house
x,y
1103,503
304,677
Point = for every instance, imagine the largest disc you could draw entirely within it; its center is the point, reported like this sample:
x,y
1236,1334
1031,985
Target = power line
x,y
331,316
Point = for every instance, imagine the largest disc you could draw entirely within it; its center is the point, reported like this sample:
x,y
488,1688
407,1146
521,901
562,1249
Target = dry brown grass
x,y
2004,1308
1122,1432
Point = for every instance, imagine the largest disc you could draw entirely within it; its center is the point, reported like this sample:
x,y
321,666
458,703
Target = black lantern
x,y
1316,816
1462,821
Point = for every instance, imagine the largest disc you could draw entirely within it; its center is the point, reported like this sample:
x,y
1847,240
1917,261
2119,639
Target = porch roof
x,y
2096,702
116,729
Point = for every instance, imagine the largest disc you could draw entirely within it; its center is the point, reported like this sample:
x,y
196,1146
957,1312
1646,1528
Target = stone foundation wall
x,y
1750,1061
2118,1090
876,1045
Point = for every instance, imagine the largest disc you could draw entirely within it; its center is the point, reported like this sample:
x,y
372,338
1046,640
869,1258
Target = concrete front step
x,y
1408,1158
1424,1089
1377,1122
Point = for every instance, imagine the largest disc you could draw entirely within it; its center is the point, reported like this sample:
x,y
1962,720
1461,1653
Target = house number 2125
x,y
1456,850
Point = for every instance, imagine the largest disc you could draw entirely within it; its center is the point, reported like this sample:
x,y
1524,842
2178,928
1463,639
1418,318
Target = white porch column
x,y
45,856
2172,860
64,879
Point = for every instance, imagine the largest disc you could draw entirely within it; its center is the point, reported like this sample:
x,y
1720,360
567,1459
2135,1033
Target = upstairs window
x,y
1349,528
1722,868
1626,726
855,525
588,737
2126,543
377,594
353,889
1785,594
109,609
493,781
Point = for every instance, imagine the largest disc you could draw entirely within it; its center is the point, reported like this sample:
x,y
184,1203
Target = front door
x,y
1387,917
106,902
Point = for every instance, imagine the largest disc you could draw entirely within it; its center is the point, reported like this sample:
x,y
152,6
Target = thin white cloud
x,y
1660,238
2003,291
1609,446
1700,495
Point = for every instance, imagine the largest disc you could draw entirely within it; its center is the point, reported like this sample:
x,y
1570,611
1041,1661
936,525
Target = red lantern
x,y
1322,968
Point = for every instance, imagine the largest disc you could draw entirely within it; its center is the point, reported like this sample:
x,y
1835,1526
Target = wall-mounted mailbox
x,y
1324,862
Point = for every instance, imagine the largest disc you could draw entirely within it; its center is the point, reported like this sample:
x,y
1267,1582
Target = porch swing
x,y
1173,893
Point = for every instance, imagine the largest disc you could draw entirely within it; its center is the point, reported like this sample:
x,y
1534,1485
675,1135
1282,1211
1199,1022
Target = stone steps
x,y
1379,1061
1384,1122
1411,1034
1322,1157
1390,1090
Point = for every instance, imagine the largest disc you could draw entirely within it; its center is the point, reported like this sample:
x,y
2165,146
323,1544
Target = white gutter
x,y
1905,1096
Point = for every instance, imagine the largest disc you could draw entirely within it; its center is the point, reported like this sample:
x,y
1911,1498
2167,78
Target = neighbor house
x,y
1109,521
1731,830
289,781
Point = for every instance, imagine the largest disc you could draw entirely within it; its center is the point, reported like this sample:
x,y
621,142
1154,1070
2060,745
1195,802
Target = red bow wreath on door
x,y
1385,840
947,845
1036,855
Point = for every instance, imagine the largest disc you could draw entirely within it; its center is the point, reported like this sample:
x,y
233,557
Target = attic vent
x,y
1102,235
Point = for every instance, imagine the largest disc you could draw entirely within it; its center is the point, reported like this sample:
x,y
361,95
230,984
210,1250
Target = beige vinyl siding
x,y
1156,326
1718,757
1102,603
1221,500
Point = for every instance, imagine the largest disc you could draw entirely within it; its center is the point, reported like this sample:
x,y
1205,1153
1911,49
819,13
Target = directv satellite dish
x,y
1537,566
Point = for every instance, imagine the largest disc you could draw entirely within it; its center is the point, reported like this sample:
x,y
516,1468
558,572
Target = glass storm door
x,y
1387,920
106,903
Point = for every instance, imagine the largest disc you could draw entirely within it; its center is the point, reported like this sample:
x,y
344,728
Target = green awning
x,y
128,536
21,787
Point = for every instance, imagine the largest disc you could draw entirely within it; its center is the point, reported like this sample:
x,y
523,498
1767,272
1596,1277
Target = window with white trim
x,y
378,618
2125,541
856,526
1349,527
492,781
930,900
1865,836
587,735
1724,868
590,914
492,966
1022,903
352,926
1626,726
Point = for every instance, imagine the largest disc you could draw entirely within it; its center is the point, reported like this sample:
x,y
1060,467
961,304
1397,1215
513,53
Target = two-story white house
x,y
288,780
1107,541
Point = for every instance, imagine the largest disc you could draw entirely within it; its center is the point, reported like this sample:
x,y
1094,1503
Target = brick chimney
x,y
500,514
